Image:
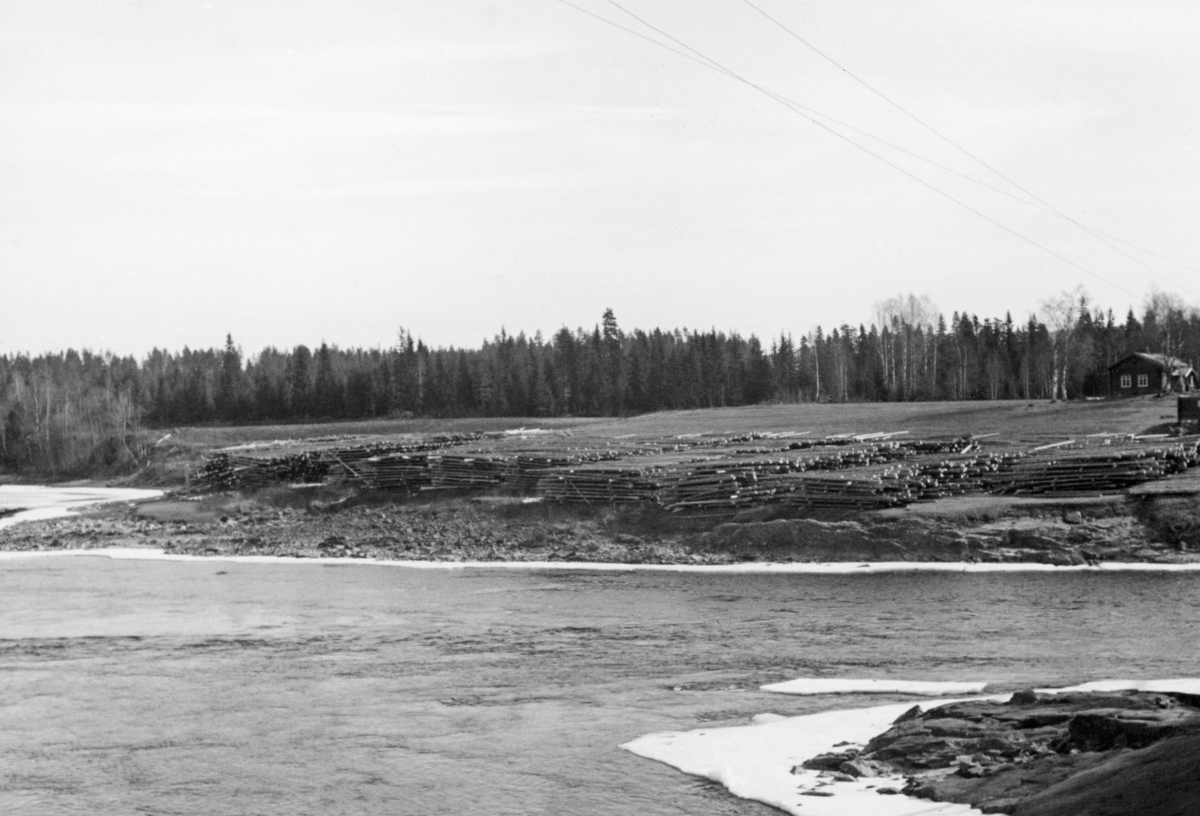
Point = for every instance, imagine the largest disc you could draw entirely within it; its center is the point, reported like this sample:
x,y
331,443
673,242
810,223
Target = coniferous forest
x,y
77,411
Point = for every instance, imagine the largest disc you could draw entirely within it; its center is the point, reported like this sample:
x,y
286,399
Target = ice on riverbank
x,y
37,503
832,685
756,761
1183,685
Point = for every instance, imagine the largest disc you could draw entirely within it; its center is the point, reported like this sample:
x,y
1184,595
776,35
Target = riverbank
x,y
338,523
1109,748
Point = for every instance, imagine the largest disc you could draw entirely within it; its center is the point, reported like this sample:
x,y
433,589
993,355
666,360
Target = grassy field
x,y
1017,421
1012,420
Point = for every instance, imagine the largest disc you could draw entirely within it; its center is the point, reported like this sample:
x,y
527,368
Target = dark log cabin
x,y
1142,373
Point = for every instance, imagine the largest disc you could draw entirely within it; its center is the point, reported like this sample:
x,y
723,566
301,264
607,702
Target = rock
x,y
827,762
970,770
865,767
1103,729
1073,517
1024,697
815,793
996,756
887,791
911,714
333,542
1160,780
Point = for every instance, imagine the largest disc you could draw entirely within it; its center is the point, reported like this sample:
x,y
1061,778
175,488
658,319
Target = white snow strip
x,y
756,761
37,503
37,514
31,496
1183,685
835,568
832,685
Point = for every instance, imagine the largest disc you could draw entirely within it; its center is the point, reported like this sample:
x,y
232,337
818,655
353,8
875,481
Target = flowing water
x,y
212,687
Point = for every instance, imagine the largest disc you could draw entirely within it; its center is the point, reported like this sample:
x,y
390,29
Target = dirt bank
x,y
331,522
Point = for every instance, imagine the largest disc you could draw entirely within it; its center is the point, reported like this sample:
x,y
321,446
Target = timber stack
x,y
1082,472
597,484
224,471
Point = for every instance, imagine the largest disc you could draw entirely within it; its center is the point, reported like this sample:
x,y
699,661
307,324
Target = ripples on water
x,y
200,688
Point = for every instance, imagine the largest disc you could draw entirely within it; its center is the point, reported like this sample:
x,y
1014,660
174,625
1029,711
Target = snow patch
x,y
832,685
1183,685
756,761
766,717
37,503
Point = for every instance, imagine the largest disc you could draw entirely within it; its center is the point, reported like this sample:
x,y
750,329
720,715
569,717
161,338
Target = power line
x,y
892,102
711,63
823,115
1097,234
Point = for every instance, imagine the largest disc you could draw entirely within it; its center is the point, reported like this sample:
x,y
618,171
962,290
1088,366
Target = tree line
x,y
80,411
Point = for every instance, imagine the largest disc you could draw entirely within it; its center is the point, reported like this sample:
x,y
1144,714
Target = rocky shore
x,y
1101,754
317,522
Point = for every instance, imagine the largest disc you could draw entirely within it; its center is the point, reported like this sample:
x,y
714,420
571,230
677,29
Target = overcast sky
x,y
299,171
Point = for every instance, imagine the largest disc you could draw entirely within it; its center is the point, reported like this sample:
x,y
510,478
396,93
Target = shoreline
x,y
498,530
771,760
795,568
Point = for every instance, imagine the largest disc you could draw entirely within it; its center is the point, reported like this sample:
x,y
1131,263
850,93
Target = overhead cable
x,y
711,63
1095,233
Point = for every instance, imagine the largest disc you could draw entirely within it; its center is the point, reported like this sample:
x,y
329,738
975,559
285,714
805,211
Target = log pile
x,y
225,471
597,484
869,470
714,488
1067,472
466,470
524,471
397,471
230,470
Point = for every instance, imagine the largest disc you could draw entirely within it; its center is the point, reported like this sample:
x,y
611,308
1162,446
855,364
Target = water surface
x,y
217,687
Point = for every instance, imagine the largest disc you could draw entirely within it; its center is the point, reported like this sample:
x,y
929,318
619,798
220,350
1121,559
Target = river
x,y
203,687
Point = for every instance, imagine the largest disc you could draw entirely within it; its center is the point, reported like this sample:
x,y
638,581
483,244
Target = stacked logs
x,y
524,471
466,470
853,472
714,488
1089,473
397,471
224,471
597,484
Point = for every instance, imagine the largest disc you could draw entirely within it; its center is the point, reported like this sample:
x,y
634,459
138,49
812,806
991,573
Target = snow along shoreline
x,y
41,502
756,761
806,568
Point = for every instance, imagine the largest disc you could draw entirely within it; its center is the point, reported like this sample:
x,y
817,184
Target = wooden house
x,y
1141,373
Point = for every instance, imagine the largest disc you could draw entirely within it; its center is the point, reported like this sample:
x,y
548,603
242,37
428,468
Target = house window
x,y
1143,380
1126,381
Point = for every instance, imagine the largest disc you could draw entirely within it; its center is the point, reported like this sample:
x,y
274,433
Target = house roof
x,y
1172,365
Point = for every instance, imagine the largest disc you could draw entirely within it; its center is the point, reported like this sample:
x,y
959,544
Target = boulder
x,y
1102,729
865,767
1003,757
827,762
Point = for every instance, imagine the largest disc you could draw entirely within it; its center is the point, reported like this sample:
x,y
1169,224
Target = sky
x,y
307,171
